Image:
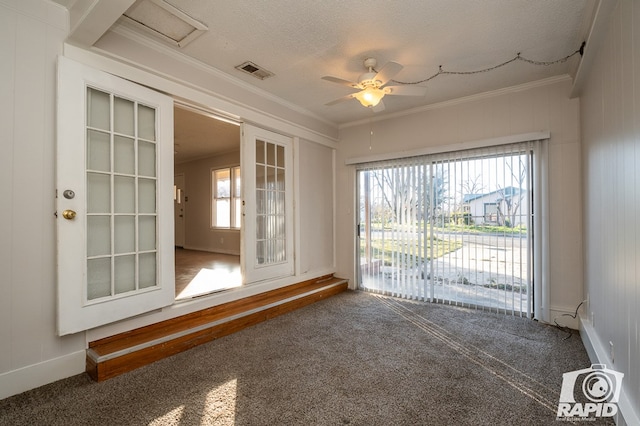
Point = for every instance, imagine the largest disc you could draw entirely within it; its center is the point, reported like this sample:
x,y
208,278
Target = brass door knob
x,y
69,214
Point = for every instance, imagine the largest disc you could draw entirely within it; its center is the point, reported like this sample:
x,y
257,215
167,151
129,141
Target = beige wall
x,y
539,107
315,185
611,153
198,232
32,34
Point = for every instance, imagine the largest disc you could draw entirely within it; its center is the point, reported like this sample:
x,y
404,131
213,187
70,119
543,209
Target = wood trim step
x,y
118,354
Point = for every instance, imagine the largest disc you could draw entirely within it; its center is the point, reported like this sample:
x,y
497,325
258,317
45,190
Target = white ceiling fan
x,y
371,85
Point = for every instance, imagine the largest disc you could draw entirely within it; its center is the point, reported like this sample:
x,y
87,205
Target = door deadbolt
x,y
68,194
69,214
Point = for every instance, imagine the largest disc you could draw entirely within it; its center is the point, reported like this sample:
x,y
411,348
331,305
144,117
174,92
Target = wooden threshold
x,y
118,354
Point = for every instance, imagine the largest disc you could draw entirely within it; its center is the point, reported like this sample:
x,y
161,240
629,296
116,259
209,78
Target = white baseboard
x,y
36,375
598,354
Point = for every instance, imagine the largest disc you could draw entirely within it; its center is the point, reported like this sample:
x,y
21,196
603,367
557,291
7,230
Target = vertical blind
x,y
454,228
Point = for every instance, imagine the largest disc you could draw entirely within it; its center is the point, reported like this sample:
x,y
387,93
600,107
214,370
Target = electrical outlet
x,y
611,352
593,319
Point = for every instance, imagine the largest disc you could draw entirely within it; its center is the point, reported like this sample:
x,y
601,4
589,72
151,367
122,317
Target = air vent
x,y
255,70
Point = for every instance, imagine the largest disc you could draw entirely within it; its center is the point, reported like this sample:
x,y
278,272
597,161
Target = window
x,y
491,212
226,207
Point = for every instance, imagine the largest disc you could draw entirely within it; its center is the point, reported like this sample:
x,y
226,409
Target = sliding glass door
x,y
453,228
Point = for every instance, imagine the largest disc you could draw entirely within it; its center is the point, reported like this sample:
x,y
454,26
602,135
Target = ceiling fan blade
x,y
406,90
379,107
341,81
342,99
387,72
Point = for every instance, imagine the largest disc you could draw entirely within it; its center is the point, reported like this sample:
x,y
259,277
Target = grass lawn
x,y
484,229
391,250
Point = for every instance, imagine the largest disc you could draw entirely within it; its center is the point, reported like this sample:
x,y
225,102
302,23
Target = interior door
x,y
114,198
267,194
178,209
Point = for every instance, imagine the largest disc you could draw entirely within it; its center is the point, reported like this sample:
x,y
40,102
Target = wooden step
x,y
115,355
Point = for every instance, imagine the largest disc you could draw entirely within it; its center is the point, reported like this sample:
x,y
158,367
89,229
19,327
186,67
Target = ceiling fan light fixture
x,y
370,97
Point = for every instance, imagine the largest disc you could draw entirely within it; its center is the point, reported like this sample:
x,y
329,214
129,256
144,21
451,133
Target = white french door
x,y
267,194
114,198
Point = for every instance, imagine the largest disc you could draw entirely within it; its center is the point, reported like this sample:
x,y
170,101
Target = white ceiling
x,y
301,41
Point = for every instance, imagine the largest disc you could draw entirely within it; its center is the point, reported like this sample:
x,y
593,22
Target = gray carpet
x,y
355,359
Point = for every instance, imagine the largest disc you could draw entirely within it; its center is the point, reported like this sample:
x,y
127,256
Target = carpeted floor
x,y
355,359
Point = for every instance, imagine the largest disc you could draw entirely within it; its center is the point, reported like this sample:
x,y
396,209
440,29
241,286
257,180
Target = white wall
x,y
32,33
610,116
544,106
198,232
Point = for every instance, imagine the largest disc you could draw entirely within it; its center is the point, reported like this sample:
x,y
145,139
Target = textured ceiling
x,y
302,40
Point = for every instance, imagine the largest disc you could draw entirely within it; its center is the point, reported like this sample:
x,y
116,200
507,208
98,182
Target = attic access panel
x,y
165,21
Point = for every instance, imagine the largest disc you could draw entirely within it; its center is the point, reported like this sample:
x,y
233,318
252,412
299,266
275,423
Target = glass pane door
x,y
121,196
271,200
114,182
267,194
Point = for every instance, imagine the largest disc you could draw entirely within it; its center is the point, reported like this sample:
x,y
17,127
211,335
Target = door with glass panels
x,y
267,194
114,198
